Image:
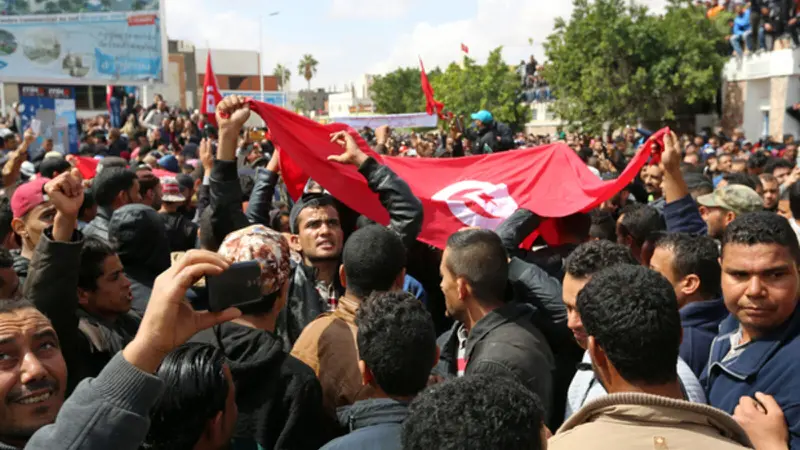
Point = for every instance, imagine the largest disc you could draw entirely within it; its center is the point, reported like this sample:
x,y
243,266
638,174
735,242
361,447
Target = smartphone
x,y
239,285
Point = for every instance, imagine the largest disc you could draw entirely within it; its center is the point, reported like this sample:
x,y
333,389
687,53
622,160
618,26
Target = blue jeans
x,y
115,112
737,39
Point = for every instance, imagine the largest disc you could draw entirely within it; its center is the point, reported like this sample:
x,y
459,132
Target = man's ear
x,y
342,276
19,227
83,297
730,216
399,282
690,284
464,290
598,355
214,431
294,242
367,376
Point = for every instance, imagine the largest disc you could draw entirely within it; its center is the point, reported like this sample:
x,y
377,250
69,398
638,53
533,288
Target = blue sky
x,y
354,37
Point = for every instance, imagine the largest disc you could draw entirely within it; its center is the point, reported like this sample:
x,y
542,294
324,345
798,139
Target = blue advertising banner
x,y
54,107
276,98
82,41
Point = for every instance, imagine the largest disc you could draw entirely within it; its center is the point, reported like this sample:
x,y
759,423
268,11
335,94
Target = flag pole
x,y
260,55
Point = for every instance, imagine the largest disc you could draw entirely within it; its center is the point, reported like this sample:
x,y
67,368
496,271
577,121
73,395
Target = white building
x,y
355,99
543,120
757,90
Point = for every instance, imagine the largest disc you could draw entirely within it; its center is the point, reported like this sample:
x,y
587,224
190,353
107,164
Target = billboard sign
x,y
82,41
54,108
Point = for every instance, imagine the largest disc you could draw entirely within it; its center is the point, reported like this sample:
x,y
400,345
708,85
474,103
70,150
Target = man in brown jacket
x,y
373,260
634,330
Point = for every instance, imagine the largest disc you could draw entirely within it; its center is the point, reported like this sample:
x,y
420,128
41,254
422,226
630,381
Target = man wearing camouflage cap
x,y
719,208
279,398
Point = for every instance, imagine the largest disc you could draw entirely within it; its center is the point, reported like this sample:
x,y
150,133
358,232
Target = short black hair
x,y
373,258
794,199
479,257
576,225
776,163
475,411
397,342
88,201
50,166
110,182
698,184
632,313
592,257
6,216
741,179
761,227
310,200
147,181
642,222
196,391
206,231
604,226
757,160
697,255
93,255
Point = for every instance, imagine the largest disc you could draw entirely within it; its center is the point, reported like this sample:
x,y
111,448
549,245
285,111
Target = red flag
x,y
87,166
293,176
482,190
431,105
464,48
211,96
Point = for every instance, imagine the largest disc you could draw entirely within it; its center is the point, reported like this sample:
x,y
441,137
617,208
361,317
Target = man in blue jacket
x,y
741,30
691,264
758,348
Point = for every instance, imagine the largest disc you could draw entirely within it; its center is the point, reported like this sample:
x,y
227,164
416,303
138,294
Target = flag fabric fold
x,y
464,48
211,95
481,190
431,105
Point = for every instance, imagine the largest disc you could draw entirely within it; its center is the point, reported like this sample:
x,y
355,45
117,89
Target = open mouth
x,y
34,399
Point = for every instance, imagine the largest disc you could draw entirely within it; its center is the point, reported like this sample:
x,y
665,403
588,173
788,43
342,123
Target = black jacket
x,y
373,424
279,398
497,136
304,303
181,231
20,266
504,343
98,227
142,245
88,343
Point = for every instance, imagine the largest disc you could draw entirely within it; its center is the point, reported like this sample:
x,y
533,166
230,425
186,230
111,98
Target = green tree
x,y
308,67
470,87
398,92
613,63
282,73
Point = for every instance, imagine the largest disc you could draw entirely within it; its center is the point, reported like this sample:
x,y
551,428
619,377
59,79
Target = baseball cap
x,y
265,246
171,190
483,115
169,162
28,196
735,197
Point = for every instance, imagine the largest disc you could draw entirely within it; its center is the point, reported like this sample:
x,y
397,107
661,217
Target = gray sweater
x,y
107,412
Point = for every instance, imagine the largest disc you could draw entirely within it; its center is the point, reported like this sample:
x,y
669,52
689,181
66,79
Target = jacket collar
x,y
757,352
647,409
105,212
702,313
371,412
346,309
507,313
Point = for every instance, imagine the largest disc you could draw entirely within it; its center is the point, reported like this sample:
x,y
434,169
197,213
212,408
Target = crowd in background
x,y
665,318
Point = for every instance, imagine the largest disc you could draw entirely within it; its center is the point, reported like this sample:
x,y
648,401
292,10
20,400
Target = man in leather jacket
x,y
315,221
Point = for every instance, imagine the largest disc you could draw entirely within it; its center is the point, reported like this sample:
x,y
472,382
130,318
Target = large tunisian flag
x,y
211,95
482,191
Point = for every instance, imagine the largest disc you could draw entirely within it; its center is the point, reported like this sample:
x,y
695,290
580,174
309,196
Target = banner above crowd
x,y
416,120
82,41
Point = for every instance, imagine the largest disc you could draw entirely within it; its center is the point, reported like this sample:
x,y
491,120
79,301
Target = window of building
x,y
235,82
82,97
98,97
535,114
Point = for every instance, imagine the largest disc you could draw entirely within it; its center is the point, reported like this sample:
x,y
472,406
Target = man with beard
x,y
652,178
315,221
79,284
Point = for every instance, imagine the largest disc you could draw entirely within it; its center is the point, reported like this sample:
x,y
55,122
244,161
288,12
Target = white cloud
x,y
369,9
510,23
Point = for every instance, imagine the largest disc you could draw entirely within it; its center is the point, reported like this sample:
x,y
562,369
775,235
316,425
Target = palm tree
x,y
282,74
308,67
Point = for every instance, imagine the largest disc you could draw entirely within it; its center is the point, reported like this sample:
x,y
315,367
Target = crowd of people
x,y
666,318
758,24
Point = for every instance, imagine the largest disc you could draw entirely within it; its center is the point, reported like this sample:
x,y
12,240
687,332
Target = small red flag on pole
x,y
464,48
211,96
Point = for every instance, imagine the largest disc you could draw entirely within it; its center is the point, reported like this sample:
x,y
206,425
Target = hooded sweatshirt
x,y
374,424
142,245
278,397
